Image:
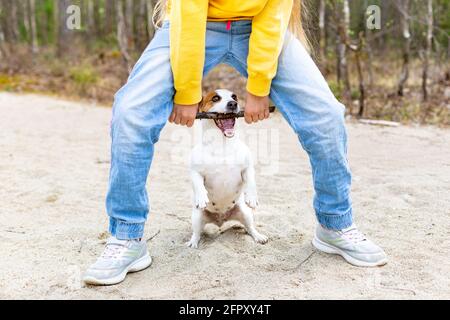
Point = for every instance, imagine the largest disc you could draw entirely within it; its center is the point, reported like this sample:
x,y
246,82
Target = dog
x,y
222,172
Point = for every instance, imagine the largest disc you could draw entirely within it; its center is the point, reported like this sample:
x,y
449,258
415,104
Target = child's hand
x,y
256,108
184,114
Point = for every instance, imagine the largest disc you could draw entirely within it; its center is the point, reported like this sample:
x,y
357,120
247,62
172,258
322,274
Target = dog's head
x,y
222,101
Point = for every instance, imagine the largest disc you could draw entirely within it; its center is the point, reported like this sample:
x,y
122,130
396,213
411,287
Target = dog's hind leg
x,y
250,194
198,223
244,214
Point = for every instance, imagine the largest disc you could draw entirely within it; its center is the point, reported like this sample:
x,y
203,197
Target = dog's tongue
x,y
228,127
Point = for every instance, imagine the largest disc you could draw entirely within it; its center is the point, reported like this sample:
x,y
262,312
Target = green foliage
x,y
84,76
335,88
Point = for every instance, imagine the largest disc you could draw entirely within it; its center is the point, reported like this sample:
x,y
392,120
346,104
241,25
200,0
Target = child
x,y
263,40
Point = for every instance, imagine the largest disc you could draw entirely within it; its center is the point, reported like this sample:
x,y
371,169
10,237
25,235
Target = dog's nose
x,y
232,105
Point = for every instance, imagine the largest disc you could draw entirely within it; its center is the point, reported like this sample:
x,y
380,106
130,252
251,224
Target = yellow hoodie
x,y
270,19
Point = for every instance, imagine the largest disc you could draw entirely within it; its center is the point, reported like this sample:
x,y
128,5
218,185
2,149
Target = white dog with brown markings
x,y
222,172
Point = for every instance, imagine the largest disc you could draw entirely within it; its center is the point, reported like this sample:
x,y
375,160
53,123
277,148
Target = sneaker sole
x,y
327,248
139,265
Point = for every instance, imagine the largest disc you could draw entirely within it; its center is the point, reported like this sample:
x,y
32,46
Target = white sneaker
x,y
351,244
118,258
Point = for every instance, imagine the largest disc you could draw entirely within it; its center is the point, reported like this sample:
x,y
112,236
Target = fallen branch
x,y
156,233
305,260
380,123
14,231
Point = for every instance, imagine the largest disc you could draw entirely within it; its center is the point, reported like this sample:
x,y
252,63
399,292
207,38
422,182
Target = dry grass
x,y
95,77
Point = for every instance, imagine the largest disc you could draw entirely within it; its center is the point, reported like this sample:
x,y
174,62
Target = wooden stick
x,y
220,116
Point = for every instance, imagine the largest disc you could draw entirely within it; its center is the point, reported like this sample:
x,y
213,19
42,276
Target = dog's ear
x,y
200,104
206,102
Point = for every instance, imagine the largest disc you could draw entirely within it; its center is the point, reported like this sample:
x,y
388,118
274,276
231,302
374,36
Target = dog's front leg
x,y
250,193
200,193
198,223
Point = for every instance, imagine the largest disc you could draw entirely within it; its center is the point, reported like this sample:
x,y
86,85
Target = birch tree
x,y
32,24
427,53
323,44
342,19
403,7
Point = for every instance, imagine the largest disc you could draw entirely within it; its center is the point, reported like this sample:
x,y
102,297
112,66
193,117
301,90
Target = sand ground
x,y
54,162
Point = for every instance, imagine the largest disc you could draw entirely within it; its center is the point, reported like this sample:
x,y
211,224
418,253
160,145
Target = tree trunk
x,y
26,19
150,26
63,41
14,20
109,17
404,21
90,23
122,35
342,16
3,51
55,23
368,46
97,17
33,29
362,86
323,44
10,29
428,44
141,26
129,21
44,26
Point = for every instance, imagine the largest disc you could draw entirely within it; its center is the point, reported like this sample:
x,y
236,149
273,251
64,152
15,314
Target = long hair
x,y
159,13
298,16
296,23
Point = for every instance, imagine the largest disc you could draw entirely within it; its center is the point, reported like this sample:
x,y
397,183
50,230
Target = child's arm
x,y
268,31
187,48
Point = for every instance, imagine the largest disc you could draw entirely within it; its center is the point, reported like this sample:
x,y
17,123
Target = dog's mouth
x,y
226,126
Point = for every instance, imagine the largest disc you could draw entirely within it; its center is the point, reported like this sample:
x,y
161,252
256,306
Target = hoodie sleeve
x,y
187,48
266,41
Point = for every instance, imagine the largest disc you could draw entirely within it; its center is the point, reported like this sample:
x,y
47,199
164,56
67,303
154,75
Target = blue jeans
x,y
143,105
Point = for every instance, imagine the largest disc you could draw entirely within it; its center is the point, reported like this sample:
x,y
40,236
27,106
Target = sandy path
x,y
53,173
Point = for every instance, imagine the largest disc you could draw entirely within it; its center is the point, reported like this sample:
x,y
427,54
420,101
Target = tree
x,y
427,53
63,33
323,44
109,17
9,21
342,20
32,24
3,53
122,35
129,21
91,25
403,7
141,26
150,26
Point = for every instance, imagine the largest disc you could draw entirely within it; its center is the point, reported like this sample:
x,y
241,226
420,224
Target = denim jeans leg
x,y
141,109
304,98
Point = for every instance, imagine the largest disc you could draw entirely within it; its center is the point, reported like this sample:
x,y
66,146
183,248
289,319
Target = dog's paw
x,y
251,199
193,243
260,238
201,200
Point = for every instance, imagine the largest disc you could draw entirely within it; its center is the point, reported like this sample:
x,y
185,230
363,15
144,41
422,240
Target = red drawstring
x,y
229,25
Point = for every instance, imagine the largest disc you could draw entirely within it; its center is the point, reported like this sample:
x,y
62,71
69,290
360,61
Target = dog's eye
x,y
234,97
216,99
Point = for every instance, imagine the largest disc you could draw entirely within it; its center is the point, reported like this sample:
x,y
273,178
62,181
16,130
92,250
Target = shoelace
x,y
113,251
353,235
